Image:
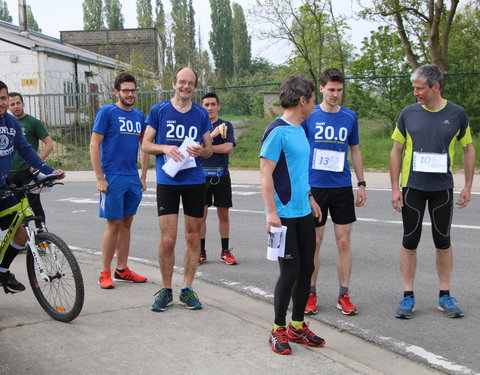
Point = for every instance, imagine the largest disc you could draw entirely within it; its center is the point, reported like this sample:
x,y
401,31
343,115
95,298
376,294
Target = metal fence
x,y
377,100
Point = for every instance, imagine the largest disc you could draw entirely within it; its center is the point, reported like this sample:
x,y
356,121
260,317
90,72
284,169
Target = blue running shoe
x,y
163,299
406,308
447,304
190,299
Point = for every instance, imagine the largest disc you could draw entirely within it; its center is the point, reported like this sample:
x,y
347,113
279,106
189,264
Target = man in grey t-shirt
x,y
426,134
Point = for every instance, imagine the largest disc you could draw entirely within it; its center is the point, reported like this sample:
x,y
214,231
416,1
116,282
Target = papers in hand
x,y
171,167
276,242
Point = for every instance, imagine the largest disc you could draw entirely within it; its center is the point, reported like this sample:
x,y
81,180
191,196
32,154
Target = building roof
x,y
39,42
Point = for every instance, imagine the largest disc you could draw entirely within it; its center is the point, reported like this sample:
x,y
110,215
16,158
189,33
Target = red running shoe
x,y
279,341
227,257
202,258
345,305
129,276
105,280
311,307
304,336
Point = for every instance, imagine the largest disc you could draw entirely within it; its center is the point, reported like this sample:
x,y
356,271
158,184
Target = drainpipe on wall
x,y
22,17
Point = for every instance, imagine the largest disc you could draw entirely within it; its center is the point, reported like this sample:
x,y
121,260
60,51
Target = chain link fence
x,y
377,100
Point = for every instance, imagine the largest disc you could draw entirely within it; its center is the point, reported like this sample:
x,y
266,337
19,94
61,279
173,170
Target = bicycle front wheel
x,y
63,295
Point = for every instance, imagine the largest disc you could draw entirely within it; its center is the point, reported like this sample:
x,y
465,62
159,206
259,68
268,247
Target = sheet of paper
x,y
276,242
171,167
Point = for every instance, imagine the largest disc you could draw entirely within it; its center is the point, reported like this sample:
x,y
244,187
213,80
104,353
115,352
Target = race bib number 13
x,y
328,160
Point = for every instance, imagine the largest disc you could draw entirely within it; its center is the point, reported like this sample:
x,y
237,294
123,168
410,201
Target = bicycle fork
x,y
38,259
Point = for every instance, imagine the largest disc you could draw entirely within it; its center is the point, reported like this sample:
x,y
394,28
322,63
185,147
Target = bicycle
x,y
52,269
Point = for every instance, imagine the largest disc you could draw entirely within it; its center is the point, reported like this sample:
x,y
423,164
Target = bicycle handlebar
x,y
37,183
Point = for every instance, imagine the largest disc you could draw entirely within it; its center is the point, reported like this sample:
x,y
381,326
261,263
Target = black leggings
x,y
440,207
296,269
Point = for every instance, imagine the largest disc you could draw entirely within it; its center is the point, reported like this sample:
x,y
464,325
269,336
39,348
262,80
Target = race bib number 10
x,y
429,162
328,160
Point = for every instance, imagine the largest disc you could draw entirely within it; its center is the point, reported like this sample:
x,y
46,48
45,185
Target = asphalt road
x,y
448,344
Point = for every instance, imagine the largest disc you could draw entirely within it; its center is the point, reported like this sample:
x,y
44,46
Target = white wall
x,y
24,66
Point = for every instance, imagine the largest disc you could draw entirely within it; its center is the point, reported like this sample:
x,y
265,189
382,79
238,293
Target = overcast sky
x,y
54,16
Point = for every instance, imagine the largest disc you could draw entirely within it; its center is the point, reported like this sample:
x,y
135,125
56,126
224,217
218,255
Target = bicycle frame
x,y
23,215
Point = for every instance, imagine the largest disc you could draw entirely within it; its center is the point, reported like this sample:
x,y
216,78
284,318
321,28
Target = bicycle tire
x,y
62,298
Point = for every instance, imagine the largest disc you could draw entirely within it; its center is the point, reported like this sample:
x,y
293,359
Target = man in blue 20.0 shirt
x,y
168,125
116,137
332,130
11,140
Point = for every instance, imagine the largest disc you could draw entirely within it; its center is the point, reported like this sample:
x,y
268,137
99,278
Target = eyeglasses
x,y
188,83
127,91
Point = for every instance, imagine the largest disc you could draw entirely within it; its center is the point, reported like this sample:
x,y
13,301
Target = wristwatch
x,y
361,183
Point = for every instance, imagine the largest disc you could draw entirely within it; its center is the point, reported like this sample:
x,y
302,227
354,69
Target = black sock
x,y
202,244
224,243
407,293
9,256
120,271
444,293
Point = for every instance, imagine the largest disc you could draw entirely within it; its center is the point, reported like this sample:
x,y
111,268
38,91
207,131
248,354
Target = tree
x,y
464,55
144,14
242,43
464,52
31,22
160,22
93,15
381,87
161,26
4,13
423,26
183,28
311,28
113,15
221,41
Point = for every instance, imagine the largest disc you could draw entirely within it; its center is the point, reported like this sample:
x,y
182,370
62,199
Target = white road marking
x,y
154,204
432,358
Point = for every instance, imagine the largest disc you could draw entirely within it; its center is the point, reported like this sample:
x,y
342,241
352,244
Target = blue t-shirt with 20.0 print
x,y
333,132
172,127
122,131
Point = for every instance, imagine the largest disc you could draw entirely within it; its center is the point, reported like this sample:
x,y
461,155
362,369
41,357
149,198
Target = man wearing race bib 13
x,y
331,131
168,125
426,135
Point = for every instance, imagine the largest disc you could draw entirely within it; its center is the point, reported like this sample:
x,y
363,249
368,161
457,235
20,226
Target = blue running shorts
x,y
122,198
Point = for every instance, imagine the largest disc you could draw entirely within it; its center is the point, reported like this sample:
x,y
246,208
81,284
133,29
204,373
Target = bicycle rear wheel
x,y
62,297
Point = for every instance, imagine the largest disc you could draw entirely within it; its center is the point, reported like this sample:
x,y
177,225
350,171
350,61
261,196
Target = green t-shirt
x,y
33,130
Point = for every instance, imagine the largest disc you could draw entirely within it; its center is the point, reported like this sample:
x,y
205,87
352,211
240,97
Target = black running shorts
x,y
218,191
340,202
168,199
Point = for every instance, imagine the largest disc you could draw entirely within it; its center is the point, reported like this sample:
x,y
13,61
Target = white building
x,y
33,63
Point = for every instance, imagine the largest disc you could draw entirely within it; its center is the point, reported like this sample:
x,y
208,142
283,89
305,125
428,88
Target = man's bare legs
x,y
166,250
116,240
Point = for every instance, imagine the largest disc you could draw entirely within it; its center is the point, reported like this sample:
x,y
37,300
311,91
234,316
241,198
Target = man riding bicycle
x,y
12,139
